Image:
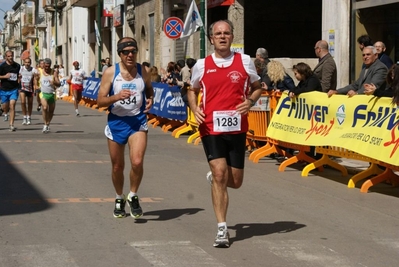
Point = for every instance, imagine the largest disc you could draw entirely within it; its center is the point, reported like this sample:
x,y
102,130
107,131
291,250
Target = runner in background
x,y
26,78
9,71
49,80
77,76
38,74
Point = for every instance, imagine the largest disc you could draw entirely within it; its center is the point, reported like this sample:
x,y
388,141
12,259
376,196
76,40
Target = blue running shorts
x,y
119,129
6,96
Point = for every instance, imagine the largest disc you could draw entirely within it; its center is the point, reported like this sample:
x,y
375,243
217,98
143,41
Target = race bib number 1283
x,y
226,121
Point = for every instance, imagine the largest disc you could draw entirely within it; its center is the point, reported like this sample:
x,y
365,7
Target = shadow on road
x,y
169,214
248,230
17,195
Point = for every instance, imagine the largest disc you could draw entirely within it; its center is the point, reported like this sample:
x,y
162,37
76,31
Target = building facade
x,y
87,30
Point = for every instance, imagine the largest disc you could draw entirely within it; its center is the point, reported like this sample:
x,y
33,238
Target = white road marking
x,y
35,256
307,253
391,243
174,254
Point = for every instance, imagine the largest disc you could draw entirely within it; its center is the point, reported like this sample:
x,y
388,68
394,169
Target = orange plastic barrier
x,y
373,169
190,125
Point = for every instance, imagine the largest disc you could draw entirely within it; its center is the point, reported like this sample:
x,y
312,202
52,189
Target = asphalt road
x,y
56,204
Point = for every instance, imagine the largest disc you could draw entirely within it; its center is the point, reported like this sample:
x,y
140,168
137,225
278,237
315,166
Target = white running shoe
x,y
46,129
28,121
209,177
222,238
5,117
25,121
12,128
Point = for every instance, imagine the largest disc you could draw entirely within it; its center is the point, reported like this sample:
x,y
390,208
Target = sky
x,y
5,5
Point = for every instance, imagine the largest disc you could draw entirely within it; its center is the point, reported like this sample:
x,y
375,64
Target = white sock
x,y
120,196
25,116
77,110
222,224
28,117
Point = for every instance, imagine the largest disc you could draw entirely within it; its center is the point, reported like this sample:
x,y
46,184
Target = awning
x,y
215,3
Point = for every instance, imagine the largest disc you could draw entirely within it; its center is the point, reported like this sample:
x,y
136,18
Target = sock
x,y
28,117
25,117
120,196
132,194
222,224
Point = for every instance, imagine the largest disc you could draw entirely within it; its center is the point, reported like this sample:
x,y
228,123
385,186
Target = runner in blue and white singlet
x,y
127,92
135,104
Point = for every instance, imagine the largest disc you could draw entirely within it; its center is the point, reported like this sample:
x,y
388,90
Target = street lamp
x,y
56,31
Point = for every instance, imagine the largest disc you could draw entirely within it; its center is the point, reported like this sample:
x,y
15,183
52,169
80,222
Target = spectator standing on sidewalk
x,y
263,56
230,87
326,69
76,77
9,71
26,78
127,92
384,58
49,80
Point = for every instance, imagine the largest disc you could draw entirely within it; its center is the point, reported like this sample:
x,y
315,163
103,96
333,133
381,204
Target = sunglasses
x,y
127,52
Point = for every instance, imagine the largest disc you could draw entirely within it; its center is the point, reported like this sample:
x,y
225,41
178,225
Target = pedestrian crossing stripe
x,y
174,254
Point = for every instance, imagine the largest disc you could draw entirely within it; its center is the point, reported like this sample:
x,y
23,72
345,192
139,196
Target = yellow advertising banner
x,y
364,124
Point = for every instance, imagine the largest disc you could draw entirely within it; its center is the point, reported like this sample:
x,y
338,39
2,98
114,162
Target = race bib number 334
x,y
226,121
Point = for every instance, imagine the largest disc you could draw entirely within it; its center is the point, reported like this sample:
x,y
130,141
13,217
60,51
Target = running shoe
x,y
5,117
39,107
77,113
135,209
46,129
119,210
209,177
12,128
25,121
28,122
222,238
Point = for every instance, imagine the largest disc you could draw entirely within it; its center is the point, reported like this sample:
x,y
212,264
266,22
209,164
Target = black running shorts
x,y
229,146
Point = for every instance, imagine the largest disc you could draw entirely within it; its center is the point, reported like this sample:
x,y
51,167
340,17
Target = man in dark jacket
x,y
380,47
325,70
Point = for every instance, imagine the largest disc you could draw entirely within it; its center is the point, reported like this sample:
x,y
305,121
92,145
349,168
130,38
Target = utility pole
x,y
56,31
20,31
202,35
99,10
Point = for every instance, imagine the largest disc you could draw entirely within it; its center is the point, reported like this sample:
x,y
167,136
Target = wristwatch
x,y
252,102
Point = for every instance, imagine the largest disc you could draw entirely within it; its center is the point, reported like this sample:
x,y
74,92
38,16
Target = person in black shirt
x,y
9,71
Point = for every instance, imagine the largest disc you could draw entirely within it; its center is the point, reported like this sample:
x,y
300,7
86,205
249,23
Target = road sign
x,y
173,27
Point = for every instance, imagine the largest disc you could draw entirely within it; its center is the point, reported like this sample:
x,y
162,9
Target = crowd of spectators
x,y
379,76
176,74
